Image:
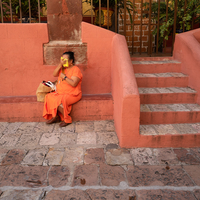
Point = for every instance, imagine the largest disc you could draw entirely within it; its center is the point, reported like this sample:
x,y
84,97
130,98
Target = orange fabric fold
x,y
65,94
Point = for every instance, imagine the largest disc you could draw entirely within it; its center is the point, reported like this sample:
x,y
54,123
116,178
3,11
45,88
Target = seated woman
x,y
58,104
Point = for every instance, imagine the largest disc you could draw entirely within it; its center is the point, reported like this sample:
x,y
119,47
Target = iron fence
x,y
7,10
145,15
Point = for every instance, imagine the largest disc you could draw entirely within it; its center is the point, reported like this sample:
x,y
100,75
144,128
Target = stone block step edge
x,y
161,75
148,62
151,58
167,90
169,108
170,129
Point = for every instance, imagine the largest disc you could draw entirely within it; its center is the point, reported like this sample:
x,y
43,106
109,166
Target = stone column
x,y
64,19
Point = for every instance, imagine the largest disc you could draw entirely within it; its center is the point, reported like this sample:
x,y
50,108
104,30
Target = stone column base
x,y
54,50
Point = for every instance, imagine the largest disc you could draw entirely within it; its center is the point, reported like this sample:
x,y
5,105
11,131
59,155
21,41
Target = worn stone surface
x,y
194,173
164,194
54,157
27,127
14,156
54,49
68,138
144,156
178,107
42,127
58,176
147,90
12,128
34,157
118,157
164,90
9,140
197,194
3,153
165,156
196,126
86,138
111,194
50,139
68,195
29,140
102,126
73,155
84,127
67,129
107,138
111,146
186,157
157,176
27,176
193,107
111,175
21,194
94,156
147,130
3,126
185,128
159,107
85,175
195,152
163,129
144,108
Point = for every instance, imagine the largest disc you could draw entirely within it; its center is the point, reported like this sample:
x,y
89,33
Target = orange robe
x,y
65,94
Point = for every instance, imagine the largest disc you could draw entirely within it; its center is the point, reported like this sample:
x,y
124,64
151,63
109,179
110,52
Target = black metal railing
x,y
150,14
8,7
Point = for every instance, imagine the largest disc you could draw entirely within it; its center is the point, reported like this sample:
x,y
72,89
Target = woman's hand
x,y
62,75
62,61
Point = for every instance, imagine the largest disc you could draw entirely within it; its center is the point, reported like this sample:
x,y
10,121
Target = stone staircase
x,y
168,105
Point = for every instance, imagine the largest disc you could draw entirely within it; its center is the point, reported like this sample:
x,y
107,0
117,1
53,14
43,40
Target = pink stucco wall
x,y
97,75
187,50
125,93
21,63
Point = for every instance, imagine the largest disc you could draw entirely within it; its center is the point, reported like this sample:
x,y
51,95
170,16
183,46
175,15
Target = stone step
x,y
172,79
27,109
151,58
170,129
167,95
160,66
169,113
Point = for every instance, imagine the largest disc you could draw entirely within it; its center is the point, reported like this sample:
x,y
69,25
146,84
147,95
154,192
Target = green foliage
x,y
24,7
120,6
184,17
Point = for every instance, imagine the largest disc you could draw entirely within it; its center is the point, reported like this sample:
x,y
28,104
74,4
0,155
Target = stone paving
x,y
83,161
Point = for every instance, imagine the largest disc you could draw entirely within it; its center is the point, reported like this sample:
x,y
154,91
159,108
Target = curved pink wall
x,y
97,75
187,50
125,93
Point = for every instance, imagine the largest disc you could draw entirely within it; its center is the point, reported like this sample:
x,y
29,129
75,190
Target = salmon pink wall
x,y
21,63
97,75
125,93
187,50
21,58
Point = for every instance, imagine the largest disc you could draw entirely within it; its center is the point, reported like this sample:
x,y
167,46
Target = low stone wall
x,y
187,50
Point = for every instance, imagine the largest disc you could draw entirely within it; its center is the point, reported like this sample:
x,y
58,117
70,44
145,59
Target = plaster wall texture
x,y
187,50
125,93
97,75
21,63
